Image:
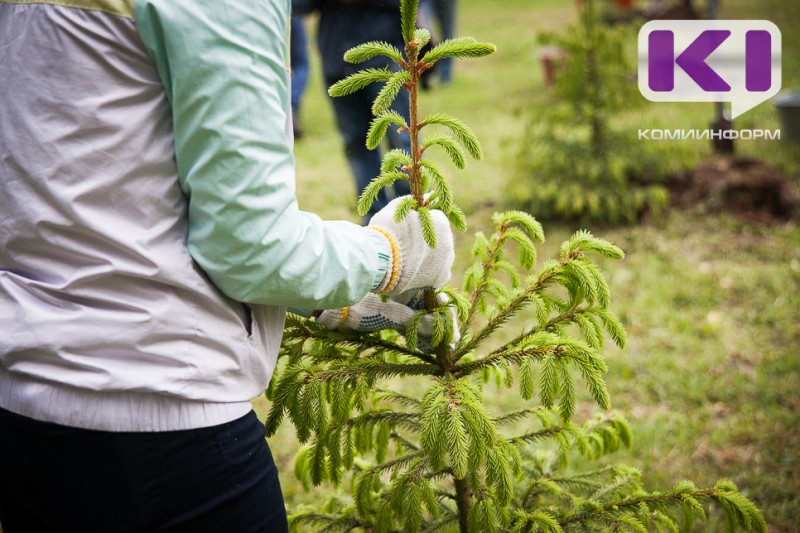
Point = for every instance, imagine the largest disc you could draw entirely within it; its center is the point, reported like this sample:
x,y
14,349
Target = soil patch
x,y
745,187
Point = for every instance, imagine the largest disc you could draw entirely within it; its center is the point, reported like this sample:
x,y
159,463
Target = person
x,y
344,24
149,245
443,14
301,69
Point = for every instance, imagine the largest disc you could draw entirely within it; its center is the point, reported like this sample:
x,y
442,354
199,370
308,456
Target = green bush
x,y
572,163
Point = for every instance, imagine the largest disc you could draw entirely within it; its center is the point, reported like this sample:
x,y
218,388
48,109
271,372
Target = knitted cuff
x,y
390,262
333,318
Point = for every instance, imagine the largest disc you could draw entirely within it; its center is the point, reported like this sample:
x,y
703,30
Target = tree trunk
x,y
464,503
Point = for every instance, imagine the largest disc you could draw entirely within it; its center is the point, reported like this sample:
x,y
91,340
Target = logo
x,y
736,61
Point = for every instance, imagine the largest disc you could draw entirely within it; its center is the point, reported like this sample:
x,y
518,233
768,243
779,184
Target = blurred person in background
x,y
344,24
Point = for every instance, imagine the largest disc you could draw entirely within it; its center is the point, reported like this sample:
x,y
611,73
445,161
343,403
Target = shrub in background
x,y
409,433
572,163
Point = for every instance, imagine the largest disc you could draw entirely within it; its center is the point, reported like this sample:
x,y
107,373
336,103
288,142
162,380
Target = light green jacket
x,y
150,235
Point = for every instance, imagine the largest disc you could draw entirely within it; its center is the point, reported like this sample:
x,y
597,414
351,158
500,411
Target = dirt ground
x,y
745,187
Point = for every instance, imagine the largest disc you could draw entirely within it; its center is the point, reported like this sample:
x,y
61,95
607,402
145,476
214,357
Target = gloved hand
x,y
372,314
415,265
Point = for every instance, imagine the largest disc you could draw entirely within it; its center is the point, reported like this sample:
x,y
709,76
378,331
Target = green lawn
x,y
711,372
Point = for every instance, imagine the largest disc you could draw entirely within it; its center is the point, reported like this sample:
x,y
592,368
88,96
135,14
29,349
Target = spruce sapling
x,y
573,161
412,436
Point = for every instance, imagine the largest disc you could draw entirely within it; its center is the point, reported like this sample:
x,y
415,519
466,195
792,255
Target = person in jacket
x,y
150,242
344,24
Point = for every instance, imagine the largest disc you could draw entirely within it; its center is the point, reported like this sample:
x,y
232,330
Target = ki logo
x,y
736,61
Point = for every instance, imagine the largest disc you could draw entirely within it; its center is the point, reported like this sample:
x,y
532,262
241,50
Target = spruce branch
x,y
457,218
538,435
516,226
404,207
461,47
377,130
359,80
583,241
375,370
367,51
570,272
539,521
549,325
326,522
449,145
429,234
398,397
408,20
394,464
538,353
390,91
396,158
299,329
403,442
442,198
461,131
521,414
503,315
477,279
394,418
423,36
375,187
740,512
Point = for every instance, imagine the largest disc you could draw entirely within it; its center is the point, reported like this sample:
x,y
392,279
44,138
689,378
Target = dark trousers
x,y
354,116
211,480
442,12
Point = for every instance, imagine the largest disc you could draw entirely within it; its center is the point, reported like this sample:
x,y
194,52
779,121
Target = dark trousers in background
x,y
443,14
353,117
210,480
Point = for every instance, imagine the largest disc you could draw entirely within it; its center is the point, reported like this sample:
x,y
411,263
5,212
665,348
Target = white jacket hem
x,y
118,411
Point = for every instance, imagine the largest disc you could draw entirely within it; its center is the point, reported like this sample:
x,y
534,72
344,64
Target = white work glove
x,y
414,264
373,314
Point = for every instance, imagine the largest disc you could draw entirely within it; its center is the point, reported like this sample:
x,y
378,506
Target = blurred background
x,y
710,288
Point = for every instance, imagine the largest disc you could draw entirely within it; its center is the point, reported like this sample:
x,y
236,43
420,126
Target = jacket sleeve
x,y
223,65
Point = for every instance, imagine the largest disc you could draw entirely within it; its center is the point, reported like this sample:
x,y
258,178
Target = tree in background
x,y
572,163
409,432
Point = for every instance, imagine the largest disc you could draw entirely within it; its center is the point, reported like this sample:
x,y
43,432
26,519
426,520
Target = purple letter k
x,y
693,60
661,62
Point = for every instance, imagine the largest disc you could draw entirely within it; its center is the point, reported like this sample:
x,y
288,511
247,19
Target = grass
x,y
709,377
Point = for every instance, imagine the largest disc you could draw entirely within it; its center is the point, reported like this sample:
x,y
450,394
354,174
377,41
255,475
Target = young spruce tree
x,y
441,459
573,161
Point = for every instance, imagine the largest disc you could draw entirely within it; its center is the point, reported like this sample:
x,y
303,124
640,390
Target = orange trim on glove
x,y
345,313
395,274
